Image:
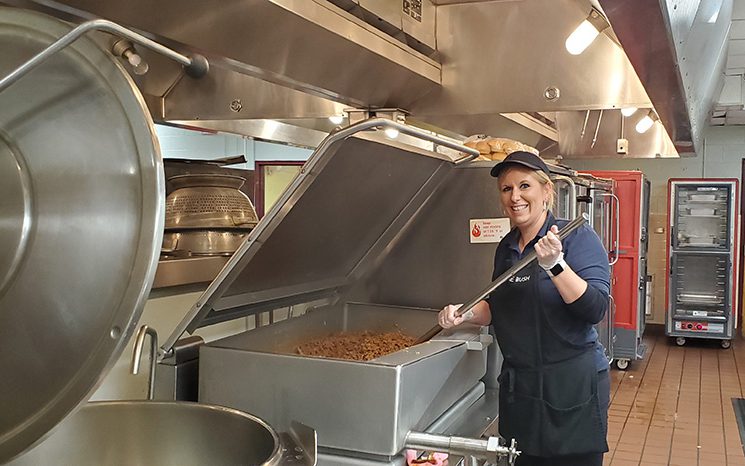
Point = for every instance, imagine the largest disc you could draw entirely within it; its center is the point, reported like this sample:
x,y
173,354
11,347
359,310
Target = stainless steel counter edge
x,y
187,271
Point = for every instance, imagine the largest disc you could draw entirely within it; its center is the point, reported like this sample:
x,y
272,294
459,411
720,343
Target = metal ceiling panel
x,y
495,57
664,40
520,53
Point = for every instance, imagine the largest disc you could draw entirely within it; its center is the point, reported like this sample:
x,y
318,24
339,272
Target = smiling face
x,y
523,197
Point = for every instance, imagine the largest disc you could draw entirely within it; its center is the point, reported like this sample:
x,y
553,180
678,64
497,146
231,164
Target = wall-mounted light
x,y
643,125
628,111
336,119
586,32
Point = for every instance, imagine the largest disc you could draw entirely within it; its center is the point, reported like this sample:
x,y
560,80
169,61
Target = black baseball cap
x,y
526,159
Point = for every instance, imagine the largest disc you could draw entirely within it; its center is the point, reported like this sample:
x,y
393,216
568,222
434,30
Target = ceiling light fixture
x,y
270,128
336,119
643,125
586,32
628,111
391,133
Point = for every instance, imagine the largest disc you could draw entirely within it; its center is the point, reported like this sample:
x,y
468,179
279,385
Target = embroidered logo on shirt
x,y
519,279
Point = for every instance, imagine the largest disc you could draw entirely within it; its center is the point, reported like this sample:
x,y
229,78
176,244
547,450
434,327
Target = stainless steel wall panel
x,y
332,226
390,12
499,57
226,95
490,124
436,264
424,28
267,130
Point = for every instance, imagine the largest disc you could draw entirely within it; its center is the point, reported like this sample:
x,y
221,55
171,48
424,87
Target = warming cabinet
x,y
702,259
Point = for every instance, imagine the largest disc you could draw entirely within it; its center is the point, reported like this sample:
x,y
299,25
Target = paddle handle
x,y
519,265
504,277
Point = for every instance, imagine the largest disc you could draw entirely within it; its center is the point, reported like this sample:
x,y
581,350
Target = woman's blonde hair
x,y
542,178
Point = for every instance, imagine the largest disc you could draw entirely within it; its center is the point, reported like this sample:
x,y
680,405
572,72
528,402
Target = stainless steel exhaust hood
x,y
678,48
468,67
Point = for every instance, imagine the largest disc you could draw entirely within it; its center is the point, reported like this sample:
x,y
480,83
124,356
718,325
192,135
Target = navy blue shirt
x,y
586,256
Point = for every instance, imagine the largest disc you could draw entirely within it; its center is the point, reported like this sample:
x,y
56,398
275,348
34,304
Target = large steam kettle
x,y
81,225
168,433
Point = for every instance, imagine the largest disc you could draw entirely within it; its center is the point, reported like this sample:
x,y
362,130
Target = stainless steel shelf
x,y
186,271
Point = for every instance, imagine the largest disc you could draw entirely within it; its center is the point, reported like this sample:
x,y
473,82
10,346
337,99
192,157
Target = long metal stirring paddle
x,y
509,273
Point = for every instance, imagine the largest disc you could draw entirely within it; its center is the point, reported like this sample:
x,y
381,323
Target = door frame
x,y
260,180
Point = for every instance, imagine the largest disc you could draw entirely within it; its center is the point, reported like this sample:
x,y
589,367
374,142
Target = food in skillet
x,y
357,346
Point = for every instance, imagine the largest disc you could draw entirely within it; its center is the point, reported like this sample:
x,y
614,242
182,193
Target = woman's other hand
x,y
432,459
448,318
548,249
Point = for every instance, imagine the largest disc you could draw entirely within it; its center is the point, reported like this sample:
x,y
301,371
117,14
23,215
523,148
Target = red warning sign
x,y
488,230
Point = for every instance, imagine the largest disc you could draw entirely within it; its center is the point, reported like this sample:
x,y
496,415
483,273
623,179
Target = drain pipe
x,y
488,449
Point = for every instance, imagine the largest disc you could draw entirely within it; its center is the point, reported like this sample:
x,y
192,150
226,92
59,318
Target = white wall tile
x,y
721,157
724,134
268,151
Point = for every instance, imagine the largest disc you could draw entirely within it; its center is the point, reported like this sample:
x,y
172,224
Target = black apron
x,y
548,394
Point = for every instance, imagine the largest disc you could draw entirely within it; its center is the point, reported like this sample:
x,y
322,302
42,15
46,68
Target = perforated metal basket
x,y
208,202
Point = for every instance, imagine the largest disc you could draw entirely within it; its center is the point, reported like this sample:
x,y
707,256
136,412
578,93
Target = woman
x,y
554,386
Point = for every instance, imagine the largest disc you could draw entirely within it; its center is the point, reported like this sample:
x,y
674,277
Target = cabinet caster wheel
x,y
680,341
622,364
725,343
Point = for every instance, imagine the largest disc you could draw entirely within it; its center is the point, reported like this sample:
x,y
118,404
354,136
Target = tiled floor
x,y
674,407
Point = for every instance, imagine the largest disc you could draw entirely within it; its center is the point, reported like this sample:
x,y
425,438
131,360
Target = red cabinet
x,y
630,283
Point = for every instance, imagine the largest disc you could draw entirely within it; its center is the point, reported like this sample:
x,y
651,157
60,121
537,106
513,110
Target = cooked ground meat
x,y
360,346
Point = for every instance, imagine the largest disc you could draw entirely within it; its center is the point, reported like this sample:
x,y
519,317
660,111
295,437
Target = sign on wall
x,y
488,230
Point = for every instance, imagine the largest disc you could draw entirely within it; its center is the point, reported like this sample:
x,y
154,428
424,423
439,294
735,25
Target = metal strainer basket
x,y
208,201
207,215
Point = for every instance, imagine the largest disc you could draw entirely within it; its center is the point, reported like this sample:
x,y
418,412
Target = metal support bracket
x,y
196,66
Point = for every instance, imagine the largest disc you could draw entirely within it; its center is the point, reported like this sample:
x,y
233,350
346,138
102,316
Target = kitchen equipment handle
x,y
219,162
610,319
617,239
137,355
597,129
521,264
231,160
572,195
584,125
196,66
504,277
406,129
